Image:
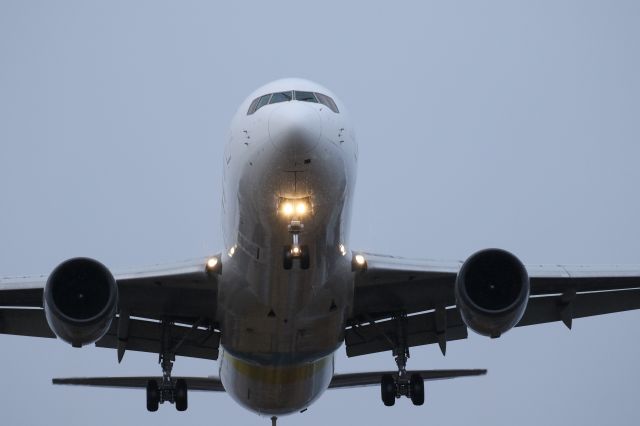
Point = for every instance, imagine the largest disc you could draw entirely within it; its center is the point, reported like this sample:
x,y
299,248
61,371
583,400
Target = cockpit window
x,y
253,106
326,100
281,97
305,96
274,98
263,101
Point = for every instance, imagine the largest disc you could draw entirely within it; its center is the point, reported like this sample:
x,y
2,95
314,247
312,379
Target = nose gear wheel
x,y
295,251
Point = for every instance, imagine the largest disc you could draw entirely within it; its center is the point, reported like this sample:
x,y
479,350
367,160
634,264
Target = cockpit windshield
x,y
306,96
262,101
281,97
297,95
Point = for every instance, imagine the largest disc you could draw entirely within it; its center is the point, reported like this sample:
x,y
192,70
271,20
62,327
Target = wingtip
x,y
477,372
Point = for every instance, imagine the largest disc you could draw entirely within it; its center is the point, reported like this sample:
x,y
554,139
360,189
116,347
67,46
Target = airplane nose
x,y
295,127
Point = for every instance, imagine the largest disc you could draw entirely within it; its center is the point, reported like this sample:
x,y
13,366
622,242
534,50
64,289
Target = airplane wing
x,y
424,291
214,384
184,293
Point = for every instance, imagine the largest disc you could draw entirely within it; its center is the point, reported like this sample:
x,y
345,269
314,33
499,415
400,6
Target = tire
x,y
181,395
153,395
388,390
416,386
287,258
304,259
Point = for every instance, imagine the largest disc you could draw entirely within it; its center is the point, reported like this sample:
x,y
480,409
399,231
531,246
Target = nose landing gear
x,y
292,252
295,250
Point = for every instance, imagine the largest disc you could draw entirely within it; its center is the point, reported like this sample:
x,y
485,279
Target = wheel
x,y
388,390
287,258
181,395
153,395
416,386
304,258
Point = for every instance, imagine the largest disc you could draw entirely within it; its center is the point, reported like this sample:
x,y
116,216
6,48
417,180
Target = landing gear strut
x,y
295,250
403,383
168,390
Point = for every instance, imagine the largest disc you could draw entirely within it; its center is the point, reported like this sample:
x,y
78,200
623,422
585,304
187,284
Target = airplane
x,y
288,290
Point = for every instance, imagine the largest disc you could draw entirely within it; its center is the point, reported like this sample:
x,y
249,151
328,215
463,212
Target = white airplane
x,y
288,289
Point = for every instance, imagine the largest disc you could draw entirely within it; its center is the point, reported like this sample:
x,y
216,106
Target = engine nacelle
x,y
80,301
492,291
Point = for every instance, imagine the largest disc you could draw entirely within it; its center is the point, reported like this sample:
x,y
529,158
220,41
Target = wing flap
x,y
147,336
24,322
564,308
421,329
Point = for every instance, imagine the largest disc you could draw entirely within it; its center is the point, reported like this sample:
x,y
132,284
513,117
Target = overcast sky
x,y
496,123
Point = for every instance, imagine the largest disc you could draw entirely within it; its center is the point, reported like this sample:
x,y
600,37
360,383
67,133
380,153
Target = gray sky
x,y
502,123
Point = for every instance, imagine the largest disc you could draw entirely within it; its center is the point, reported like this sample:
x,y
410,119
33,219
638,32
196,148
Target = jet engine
x,y
80,301
492,291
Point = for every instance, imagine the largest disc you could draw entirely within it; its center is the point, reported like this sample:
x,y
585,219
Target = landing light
x,y
213,265
343,250
294,207
301,208
359,263
232,251
287,208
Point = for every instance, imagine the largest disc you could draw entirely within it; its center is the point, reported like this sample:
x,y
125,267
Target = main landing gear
x,y
295,251
394,387
403,383
168,390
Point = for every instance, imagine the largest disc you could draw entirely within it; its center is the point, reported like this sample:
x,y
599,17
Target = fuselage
x,y
281,326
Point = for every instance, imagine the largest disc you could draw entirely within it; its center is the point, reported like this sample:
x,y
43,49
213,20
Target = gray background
x,y
504,123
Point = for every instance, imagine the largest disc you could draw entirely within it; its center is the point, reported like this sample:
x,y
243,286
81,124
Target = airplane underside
x,y
287,289
275,390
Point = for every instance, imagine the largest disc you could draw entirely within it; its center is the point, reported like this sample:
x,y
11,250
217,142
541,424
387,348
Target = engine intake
x,y
80,301
492,291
